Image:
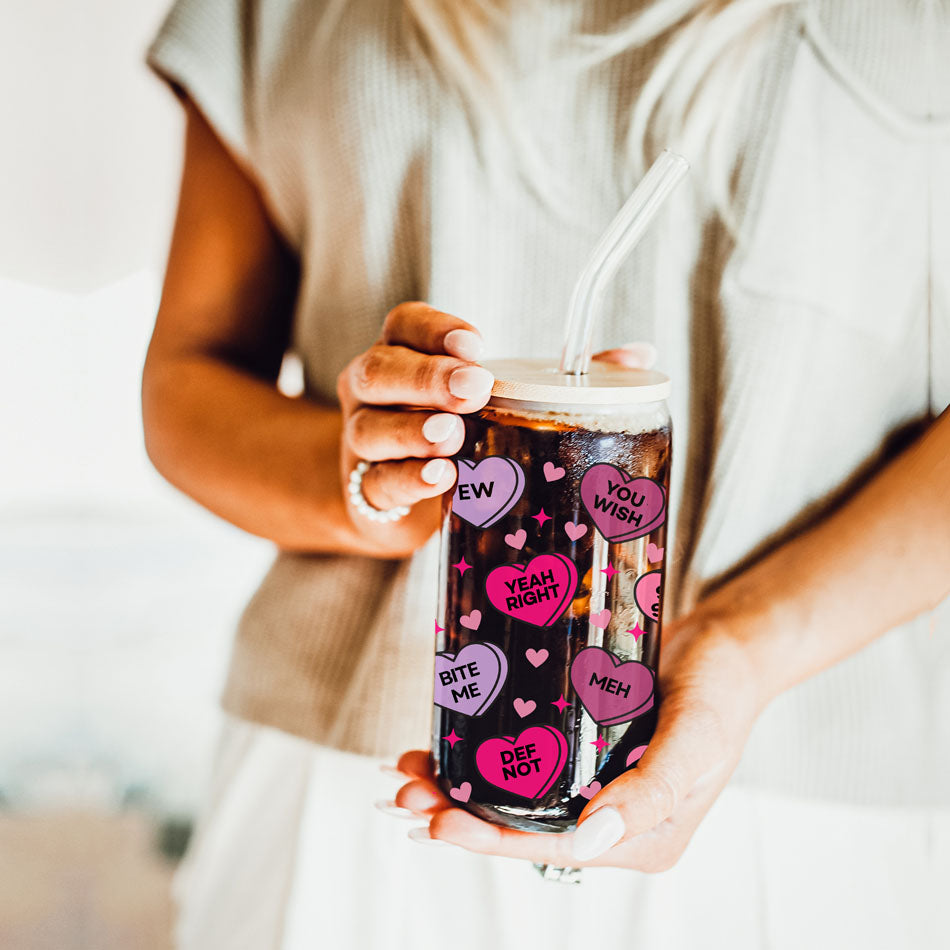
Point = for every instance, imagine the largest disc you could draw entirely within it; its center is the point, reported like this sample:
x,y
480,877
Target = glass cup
x,y
548,625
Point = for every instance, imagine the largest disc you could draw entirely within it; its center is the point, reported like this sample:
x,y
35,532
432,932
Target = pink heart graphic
x,y
463,793
536,657
468,682
527,766
575,531
654,554
589,791
471,621
601,620
622,507
611,690
487,490
517,539
537,592
635,754
524,707
552,472
646,592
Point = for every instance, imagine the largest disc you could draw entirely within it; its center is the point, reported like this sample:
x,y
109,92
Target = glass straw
x,y
620,238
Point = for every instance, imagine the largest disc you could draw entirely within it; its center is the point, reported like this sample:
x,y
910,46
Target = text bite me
x,y
461,674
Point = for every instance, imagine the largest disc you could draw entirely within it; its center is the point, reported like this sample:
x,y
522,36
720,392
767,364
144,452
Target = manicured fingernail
x,y
471,382
421,836
464,344
391,808
439,427
601,831
393,771
643,352
433,470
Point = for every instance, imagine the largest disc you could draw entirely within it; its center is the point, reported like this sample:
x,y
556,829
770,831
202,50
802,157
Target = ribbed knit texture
x,y
797,350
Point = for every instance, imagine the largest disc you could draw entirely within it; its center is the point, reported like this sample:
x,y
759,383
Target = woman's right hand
x,y
401,401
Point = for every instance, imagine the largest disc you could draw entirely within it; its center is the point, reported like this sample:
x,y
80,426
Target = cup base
x,y
518,819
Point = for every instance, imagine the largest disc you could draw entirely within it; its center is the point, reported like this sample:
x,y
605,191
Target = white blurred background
x,y
117,596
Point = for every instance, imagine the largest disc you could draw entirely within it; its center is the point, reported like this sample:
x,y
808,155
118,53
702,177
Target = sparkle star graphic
x,y
452,738
609,570
462,566
636,632
601,745
438,629
541,517
561,704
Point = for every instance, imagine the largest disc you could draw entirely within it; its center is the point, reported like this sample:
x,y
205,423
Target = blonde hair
x,y
689,102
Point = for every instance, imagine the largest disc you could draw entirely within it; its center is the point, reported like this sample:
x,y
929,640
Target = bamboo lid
x,y
540,380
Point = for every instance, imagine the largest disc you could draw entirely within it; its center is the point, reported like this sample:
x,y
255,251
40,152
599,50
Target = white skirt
x,y
291,855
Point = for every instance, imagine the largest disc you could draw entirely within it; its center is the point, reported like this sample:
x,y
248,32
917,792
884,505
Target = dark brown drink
x,y
552,578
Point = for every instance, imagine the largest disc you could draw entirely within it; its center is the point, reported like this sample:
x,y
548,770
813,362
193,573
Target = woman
x,y
345,160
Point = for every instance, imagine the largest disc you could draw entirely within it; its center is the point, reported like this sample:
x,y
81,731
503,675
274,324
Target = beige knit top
x,y
802,350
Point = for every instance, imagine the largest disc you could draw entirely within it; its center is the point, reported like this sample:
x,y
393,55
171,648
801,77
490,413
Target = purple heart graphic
x,y
468,682
623,507
487,490
611,690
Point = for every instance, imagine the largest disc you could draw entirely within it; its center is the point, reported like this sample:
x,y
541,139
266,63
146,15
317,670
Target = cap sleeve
x,y
201,48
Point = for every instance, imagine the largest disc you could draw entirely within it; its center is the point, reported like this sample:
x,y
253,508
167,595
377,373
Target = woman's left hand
x,y
801,608
710,695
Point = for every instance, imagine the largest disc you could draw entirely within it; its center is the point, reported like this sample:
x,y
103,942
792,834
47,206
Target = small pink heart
x,y
635,754
601,619
575,531
553,472
589,791
472,620
462,793
536,657
654,554
517,539
524,707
